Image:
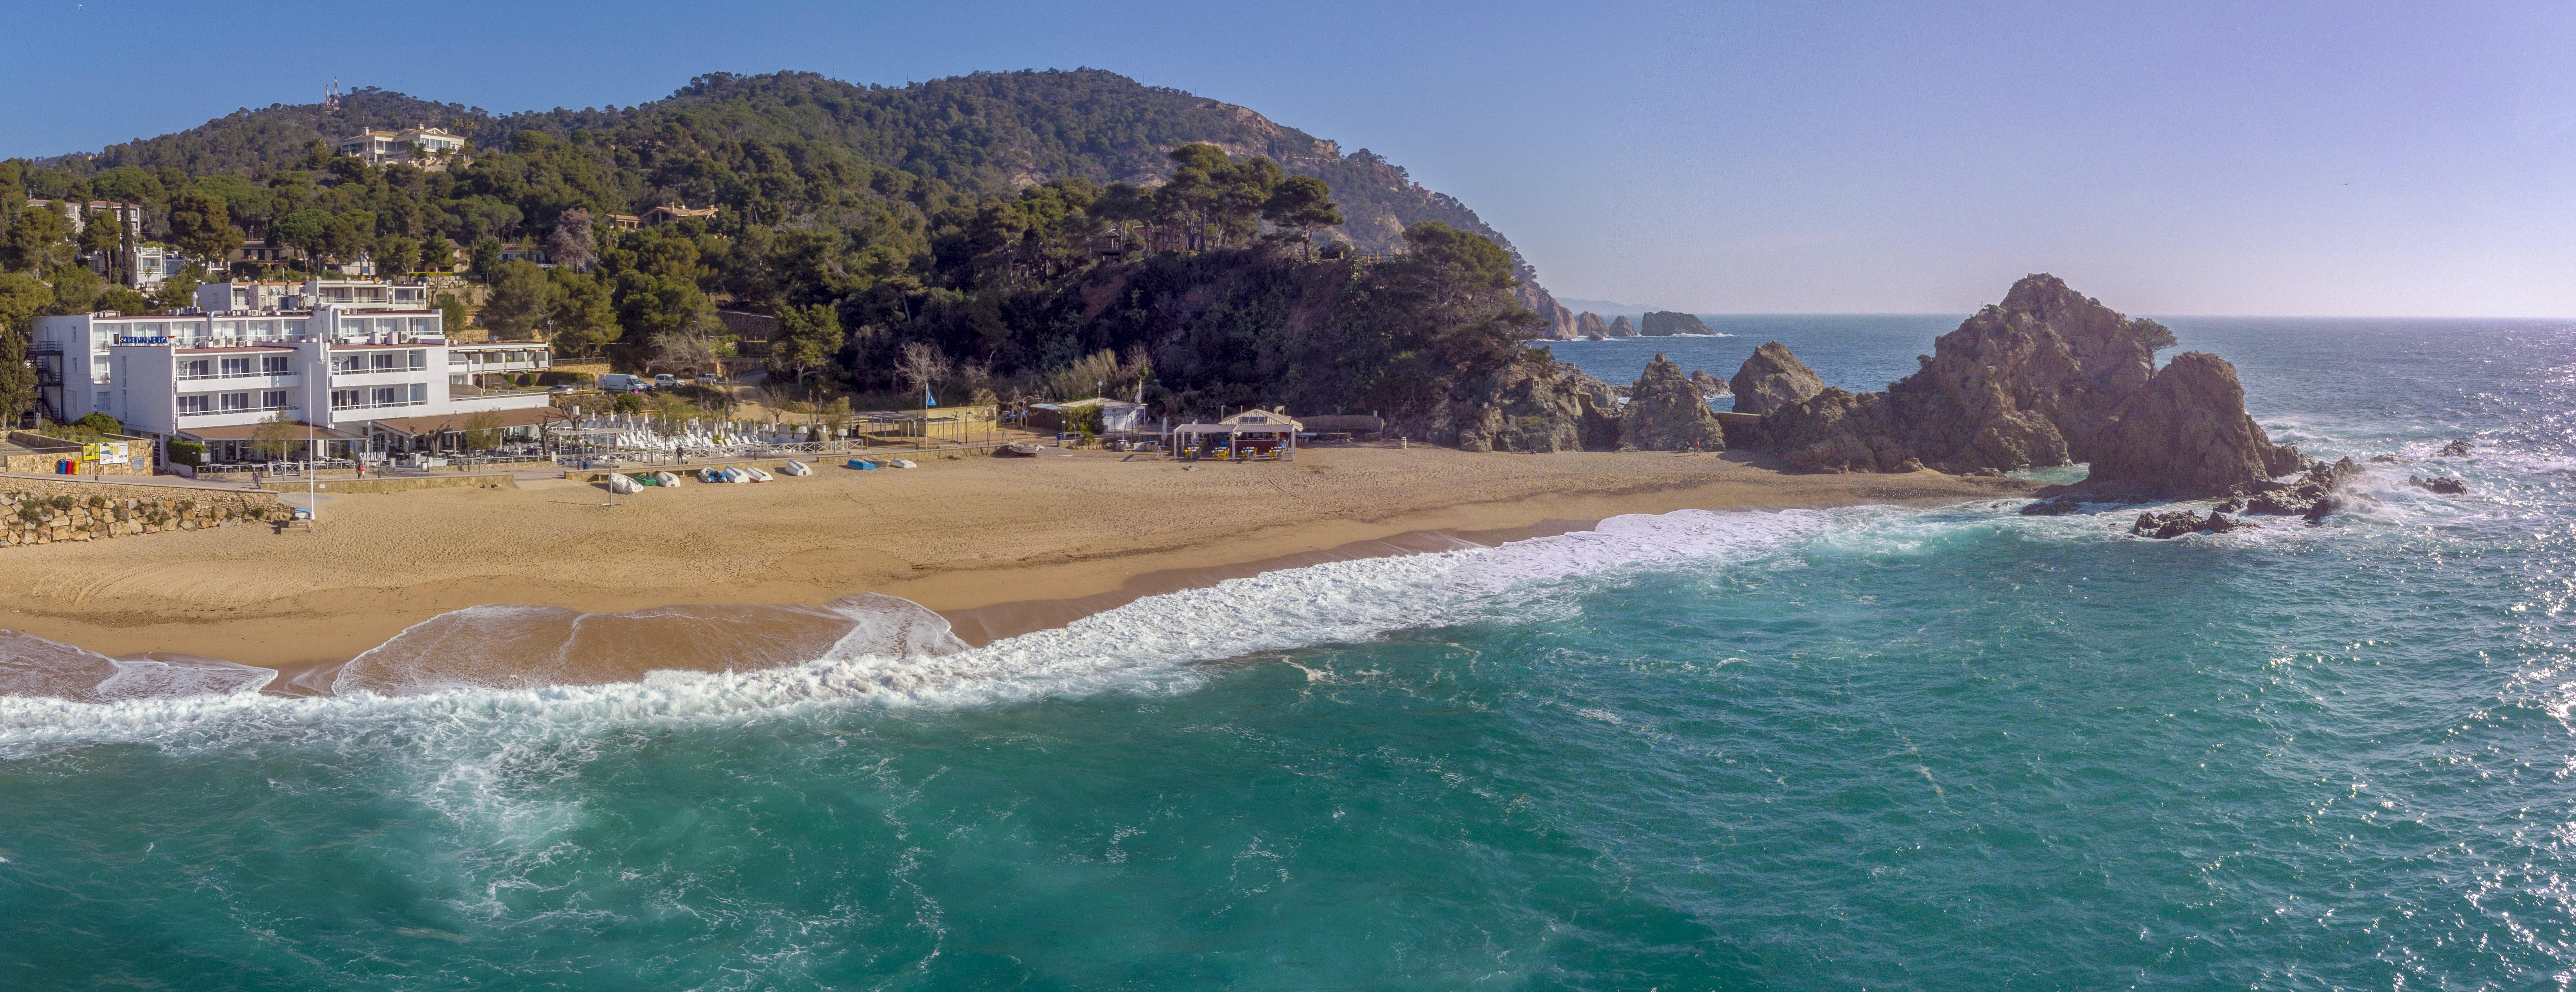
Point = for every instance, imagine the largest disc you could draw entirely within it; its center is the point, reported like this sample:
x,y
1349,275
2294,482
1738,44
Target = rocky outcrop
x,y
1621,328
1534,405
1773,378
2440,484
1665,323
2047,377
2185,433
1560,321
1710,387
2176,523
1590,325
2313,495
1666,412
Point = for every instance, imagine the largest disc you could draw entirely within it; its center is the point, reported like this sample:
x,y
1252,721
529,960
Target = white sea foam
x,y
895,653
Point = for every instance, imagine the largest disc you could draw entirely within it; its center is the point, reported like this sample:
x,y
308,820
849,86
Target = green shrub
x,y
566,378
100,423
189,453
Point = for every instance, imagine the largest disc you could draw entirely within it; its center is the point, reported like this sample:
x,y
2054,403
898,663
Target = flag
x,y
926,399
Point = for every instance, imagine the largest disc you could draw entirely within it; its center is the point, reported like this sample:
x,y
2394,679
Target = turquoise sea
x,y
1947,748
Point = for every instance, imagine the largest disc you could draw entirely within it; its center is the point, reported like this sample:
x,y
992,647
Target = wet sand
x,y
999,546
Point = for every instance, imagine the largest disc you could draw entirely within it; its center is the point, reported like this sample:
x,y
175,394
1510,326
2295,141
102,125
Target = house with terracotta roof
x,y
667,214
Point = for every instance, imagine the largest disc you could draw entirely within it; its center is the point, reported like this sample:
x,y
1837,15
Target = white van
x,y
618,383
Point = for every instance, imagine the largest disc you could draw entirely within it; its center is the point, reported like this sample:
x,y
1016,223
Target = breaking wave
x,y
714,662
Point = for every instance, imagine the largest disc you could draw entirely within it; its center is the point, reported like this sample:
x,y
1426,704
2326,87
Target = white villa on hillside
x,y
340,354
411,146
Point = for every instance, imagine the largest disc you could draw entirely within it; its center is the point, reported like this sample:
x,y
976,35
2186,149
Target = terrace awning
x,y
248,432
446,422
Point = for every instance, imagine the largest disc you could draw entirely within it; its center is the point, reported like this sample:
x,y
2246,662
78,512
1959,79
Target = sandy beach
x,y
999,546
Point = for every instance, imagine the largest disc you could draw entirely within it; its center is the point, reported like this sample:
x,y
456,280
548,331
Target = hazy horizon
x,y
2288,160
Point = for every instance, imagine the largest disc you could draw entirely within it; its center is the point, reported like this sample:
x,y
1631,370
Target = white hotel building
x,y
364,363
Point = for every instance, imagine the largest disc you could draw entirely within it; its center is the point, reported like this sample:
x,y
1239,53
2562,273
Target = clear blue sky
x,y
2324,158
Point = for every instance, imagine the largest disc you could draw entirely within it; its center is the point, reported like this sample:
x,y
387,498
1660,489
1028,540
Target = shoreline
x,y
999,548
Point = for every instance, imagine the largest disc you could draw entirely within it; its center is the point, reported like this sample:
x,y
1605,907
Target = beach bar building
x,y
1251,434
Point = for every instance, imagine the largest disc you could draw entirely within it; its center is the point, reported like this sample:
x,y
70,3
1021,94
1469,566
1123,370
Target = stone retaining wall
x,y
41,511
49,450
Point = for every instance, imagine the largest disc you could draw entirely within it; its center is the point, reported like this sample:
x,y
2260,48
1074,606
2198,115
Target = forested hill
x,y
774,147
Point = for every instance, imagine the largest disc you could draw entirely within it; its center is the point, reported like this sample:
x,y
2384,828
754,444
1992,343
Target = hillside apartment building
x,y
409,146
367,364
148,263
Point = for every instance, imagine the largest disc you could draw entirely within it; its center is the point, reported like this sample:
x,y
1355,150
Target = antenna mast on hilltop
x,y
331,96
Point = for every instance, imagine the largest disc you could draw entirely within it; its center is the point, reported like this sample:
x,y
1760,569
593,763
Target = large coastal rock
x,y
2047,377
1533,405
1667,412
1773,378
2186,434
1665,323
1590,325
1560,321
1621,328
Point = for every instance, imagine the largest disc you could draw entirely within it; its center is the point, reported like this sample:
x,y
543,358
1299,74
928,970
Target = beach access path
x,y
956,535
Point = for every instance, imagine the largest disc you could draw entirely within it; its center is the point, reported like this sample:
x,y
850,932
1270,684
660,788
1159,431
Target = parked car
x,y
707,378
665,381
618,383
562,389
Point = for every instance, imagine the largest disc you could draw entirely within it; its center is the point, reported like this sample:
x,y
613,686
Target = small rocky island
x,y
2048,377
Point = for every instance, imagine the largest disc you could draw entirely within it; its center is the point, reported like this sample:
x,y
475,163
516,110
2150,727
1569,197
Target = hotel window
x,y
272,364
295,329
385,361
388,395
236,401
344,398
274,399
426,327
419,393
192,404
237,366
419,359
195,368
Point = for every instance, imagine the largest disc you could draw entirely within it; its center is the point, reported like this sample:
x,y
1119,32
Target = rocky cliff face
x,y
2186,433
1773,378
1666,412
2047,377
1621,328
1590,325
1535,405
1665,323
1560,321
